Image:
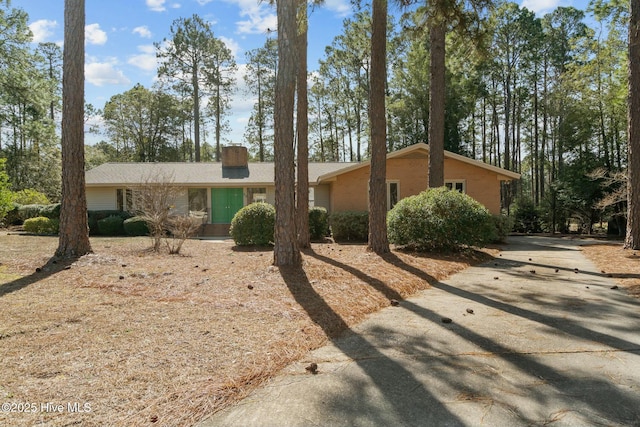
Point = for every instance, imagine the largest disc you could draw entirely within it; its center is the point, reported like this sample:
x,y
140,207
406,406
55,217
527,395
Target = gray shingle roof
x,y
192,174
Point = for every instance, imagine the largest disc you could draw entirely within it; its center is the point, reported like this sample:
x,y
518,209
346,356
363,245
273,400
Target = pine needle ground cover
x,y
621,264
128,337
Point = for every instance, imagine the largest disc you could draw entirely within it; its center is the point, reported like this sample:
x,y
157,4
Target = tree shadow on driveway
x,y
421,379
384,373
601,396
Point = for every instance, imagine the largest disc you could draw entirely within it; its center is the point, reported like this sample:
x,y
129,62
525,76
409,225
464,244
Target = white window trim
x,y
389,182
453,183
388,195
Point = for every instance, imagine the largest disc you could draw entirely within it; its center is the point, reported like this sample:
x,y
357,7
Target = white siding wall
x,y
103,198
181,202
322,196
271,195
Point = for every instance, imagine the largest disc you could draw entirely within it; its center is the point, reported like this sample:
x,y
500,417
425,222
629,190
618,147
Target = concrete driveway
x,y
537,337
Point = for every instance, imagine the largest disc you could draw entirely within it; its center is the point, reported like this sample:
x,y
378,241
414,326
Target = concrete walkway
x,y
532,341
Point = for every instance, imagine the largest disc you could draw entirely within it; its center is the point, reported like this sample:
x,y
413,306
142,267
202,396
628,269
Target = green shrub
x,y
135,226
318,223
502,225
41,225
95,216
30,196
526,217
6,196
13,216
29,211
111,226
254,224
349,226
51,211
439,219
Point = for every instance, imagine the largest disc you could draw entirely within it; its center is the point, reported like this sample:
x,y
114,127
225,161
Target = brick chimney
x,y
235,156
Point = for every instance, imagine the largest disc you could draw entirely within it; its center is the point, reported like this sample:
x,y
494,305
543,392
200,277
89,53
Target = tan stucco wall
x,y
481,184
349,190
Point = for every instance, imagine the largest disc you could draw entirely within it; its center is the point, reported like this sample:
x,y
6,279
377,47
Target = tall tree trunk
x,y
285,251
484,129
302,199
378,241
543,145
536,144
74,226
437,32
632,240
196,114
260,118
218,119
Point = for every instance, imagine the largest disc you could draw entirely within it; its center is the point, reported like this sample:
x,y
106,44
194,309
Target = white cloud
x,y
232,45
538,6
159,5
42,29
340,7
260,16
104,73
142,31
156,5
146,60
242,102
203,2
94,35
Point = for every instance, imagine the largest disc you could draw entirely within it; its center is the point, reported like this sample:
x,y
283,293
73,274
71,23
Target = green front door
x,y
225,202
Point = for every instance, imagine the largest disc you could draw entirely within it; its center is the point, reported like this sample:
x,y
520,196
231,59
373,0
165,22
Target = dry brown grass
x,y
158,339
621,264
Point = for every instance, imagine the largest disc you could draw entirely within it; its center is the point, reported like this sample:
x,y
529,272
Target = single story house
x,y
219,190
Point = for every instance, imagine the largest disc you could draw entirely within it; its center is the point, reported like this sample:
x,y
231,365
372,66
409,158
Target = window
x,y
456,185
393,194
197,199
124,199
256,195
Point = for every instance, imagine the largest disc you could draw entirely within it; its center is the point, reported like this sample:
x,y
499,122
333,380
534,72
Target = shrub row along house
x,y
218,190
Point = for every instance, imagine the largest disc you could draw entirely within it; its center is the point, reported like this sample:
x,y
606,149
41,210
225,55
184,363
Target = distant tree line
x,y
543,96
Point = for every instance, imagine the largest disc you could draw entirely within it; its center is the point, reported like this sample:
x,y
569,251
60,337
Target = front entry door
x,y
225,202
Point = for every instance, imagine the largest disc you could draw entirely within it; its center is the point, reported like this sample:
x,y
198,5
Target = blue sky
x,y
120,36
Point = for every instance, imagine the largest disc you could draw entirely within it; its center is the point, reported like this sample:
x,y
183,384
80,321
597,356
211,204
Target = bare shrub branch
x,y
181,227
153,201
616,182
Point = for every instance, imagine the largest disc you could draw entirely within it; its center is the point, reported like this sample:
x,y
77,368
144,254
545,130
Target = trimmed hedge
x,y
41,225
439,219
111,226
254,224
95,216
136,226
350,226
20,213
318,223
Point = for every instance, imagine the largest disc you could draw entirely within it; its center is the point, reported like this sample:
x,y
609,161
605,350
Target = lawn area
x,y
126,337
